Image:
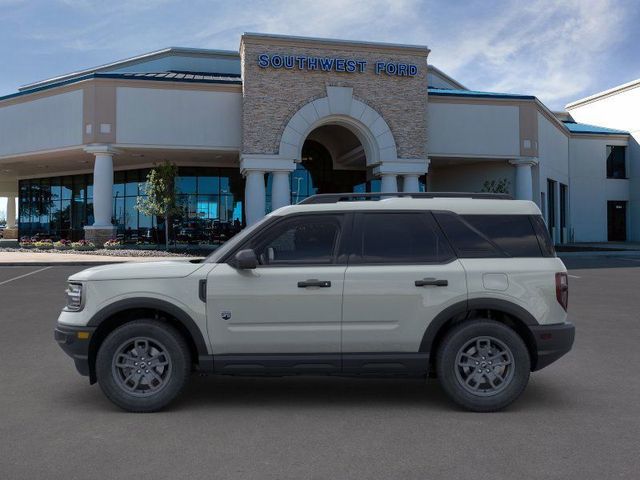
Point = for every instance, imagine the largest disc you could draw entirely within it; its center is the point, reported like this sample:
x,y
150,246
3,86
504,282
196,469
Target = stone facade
x,y
271,96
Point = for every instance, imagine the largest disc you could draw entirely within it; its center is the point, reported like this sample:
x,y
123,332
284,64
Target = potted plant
x,y
62,245
26,243
83,245
113,244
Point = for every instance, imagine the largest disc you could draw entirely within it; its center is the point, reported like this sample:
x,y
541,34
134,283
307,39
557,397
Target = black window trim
x,y
355,260
339,259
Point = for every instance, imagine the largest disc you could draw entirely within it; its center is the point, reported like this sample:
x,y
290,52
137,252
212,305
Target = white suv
x,y
463,287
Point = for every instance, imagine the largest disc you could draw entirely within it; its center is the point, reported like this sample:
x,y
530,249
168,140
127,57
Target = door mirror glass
x,y
245,260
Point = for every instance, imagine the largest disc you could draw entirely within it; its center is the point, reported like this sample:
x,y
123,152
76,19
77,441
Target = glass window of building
x,y
616,161
211,201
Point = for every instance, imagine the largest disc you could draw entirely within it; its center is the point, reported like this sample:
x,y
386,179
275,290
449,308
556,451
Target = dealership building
x,y
286,117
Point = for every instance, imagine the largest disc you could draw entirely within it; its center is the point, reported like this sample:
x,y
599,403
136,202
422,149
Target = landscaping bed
x,y
106,252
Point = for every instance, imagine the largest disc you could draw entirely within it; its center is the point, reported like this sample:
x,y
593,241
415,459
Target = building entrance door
x,y
617,221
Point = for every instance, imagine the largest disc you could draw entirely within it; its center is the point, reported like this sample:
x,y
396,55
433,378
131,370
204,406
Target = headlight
x,y
74,297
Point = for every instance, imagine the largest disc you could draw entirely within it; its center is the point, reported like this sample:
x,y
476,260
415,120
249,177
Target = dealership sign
x,y
333,64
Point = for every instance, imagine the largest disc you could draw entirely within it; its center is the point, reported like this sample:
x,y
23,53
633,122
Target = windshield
x,y
240,237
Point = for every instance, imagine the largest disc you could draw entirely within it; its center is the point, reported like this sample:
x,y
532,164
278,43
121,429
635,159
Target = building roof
x,y
172,76
449,92
132,61
585,128
604,93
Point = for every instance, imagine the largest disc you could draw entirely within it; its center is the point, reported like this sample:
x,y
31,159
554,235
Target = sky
x,y
557,50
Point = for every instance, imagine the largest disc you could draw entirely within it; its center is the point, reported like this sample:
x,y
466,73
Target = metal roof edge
x,y
446,76
129,61
235,81
604,93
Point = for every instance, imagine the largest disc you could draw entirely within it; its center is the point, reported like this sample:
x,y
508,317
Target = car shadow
x,y
317,392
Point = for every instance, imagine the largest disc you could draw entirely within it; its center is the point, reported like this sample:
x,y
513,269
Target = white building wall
x,y
621,111
45,123
553,163
590,189
186,118
476,130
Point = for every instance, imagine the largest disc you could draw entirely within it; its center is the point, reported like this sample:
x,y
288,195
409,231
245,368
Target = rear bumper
x,y
75,345
552,342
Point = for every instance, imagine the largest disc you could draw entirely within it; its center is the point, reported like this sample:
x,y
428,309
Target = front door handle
x,y
426,282
314,283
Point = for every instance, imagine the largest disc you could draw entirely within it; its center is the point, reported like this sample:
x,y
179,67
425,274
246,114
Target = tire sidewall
x,y
446,364
176,349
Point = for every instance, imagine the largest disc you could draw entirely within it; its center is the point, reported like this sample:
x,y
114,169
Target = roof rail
x,y
355,197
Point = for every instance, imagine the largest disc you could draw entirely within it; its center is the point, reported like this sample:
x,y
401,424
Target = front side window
x,y
400,238
304,240
616,163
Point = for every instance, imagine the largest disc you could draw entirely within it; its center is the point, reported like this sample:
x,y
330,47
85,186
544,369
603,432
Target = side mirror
x,y
245,260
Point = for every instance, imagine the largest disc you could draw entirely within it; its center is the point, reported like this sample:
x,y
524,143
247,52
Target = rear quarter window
x,y
513,234
491,236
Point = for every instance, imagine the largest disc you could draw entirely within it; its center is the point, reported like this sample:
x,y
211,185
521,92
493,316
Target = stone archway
x,y
340,108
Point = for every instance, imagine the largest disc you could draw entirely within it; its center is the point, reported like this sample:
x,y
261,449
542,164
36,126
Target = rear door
x,y
401,274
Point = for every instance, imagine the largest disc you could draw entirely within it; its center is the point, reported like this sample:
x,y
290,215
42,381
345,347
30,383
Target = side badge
x,y
226,315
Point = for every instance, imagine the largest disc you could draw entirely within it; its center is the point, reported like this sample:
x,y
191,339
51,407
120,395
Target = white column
x,y
254,196
524,178
11,211
103,189
280,190
410,183
389,183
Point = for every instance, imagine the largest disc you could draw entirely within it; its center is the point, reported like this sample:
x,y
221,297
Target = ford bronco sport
x,y
464,287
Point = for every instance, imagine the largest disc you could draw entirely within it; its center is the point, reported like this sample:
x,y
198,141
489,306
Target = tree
x,y
160,195
496,186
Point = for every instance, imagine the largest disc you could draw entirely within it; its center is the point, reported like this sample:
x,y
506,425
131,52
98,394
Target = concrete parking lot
x,y
578,419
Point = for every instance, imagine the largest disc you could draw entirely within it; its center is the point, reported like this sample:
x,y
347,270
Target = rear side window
x,y
467,240
399,238
487,236
513,234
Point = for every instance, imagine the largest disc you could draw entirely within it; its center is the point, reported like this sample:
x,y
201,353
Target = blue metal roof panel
x,y
575,127
160,76
450,92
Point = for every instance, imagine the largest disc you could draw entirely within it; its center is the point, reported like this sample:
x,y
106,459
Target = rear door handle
x,y
427,282
314,283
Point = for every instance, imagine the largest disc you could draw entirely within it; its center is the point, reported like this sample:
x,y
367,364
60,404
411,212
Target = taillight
x,y
562,289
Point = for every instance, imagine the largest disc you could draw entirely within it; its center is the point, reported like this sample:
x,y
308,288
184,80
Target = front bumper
x,y
75,343
552,342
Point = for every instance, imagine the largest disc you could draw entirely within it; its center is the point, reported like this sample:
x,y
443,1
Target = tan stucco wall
x,y
271,96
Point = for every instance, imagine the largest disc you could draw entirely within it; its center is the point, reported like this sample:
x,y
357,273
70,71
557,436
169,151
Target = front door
x,y
401,274
617,221
290,304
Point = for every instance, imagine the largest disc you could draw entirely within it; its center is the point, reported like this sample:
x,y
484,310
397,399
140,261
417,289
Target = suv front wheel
x,y
143,365
483,365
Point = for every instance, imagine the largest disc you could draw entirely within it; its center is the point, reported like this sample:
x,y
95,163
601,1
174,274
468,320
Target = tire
x,y
483,365
143,365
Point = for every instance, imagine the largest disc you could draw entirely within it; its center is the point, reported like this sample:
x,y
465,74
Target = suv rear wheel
x,y
143,365
483,365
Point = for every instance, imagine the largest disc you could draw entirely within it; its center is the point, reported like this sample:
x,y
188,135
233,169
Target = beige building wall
x,y
49,122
